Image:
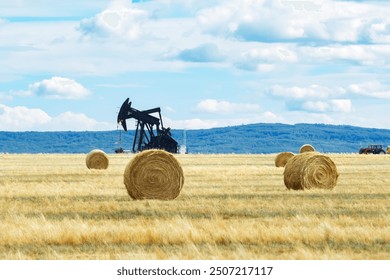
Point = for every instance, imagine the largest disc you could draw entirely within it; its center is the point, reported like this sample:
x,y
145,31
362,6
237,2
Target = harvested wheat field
x,y
230,207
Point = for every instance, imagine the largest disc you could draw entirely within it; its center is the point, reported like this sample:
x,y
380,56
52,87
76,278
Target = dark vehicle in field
x,y
372,149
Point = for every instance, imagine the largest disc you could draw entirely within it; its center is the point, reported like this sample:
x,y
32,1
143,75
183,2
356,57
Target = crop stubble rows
x,y
231,207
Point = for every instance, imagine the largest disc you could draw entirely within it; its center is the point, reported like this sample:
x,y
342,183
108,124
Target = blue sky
x,y
69,65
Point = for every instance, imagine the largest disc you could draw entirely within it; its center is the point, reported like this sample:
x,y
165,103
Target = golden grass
x,y
230,207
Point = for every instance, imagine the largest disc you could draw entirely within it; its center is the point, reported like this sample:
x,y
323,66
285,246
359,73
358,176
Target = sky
x,y
69,65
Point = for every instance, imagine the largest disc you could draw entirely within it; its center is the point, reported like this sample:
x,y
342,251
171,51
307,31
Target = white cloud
x,y
224,107
315,45
76,122
360,54
265,67
58,88
371,89
314,98
289,117
196,123
152,33
379,32
260,20
315,106
341,105
315,21
322,106
22,118
119,19
312,92
265,58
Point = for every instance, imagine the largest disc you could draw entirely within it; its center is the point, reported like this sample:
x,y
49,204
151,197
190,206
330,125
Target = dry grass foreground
x,y
231,207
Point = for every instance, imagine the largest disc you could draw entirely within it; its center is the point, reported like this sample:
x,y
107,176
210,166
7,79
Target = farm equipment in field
x,y
372,149
150,132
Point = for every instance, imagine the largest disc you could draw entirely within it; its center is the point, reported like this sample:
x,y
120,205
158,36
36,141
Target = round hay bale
x,y
306,148
154,174
97,159
310,170
282,158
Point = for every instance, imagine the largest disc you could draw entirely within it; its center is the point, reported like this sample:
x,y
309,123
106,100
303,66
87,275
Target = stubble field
x,y
231,207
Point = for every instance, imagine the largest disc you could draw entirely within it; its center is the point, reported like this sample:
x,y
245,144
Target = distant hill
x,y
243,139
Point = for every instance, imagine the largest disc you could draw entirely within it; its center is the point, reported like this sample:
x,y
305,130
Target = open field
x,y
231,207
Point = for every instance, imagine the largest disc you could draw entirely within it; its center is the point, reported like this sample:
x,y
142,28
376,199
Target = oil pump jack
x,y
150,132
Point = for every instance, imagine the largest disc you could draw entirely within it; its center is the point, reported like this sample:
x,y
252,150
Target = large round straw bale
x,y
154,174
282,158
306,148
97,159
310,170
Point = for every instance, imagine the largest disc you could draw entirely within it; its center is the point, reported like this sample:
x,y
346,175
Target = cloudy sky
x,y
69,65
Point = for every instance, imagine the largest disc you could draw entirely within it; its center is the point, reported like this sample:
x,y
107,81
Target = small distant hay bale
x,y
282,158
306,148
154,174
97,159
310,170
